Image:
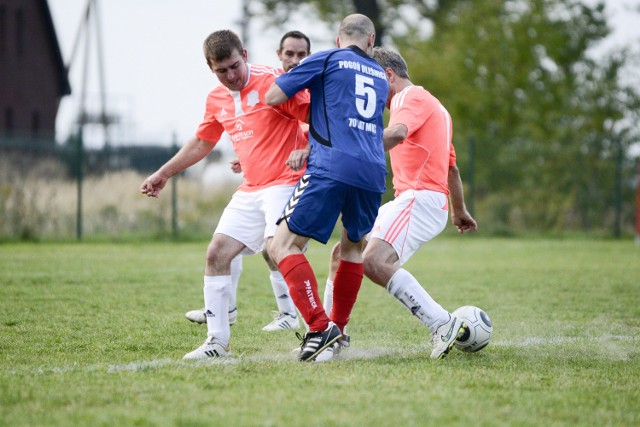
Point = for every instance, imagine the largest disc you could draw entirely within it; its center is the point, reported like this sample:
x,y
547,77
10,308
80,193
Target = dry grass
x,y
40,202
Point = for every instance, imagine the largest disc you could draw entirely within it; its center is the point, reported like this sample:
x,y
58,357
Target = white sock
x,y
328,296
406,289
281,292
217,290
236,270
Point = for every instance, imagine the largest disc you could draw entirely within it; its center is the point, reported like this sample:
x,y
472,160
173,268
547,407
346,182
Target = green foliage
x,y
93,334
553,125
547,117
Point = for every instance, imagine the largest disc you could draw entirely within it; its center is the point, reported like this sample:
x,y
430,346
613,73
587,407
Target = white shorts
x,y
411,220
250,217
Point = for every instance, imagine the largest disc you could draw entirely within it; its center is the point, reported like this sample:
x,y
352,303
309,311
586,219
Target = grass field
x,y
93,335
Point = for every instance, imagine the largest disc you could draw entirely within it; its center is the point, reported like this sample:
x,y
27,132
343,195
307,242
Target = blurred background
x,y
94,96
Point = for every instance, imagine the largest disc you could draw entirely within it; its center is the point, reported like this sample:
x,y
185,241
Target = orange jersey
x,y
263,136
422,160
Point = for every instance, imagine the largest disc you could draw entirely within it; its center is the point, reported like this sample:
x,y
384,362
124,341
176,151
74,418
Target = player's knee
x,y
273,254
212,257
371,268
335,253
270,263
217,258
375,269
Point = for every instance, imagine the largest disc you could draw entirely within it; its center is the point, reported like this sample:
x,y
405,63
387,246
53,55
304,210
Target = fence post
x,y
79,177
638,203
618,190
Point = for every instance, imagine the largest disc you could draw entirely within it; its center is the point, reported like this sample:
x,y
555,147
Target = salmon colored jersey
x,y
263,136
422,160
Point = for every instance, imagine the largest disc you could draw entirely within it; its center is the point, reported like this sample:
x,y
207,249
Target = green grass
x,y
93,335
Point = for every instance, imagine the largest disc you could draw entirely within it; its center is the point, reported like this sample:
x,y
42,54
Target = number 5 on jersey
x,y
365,96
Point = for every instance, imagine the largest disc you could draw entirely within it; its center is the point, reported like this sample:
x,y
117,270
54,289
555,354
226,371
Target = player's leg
x,y
348,276
286,317
303,288
198,316
334,261
236,271
393,242
383,268
240,230
347,280
272,205
311,212
358,217
217,292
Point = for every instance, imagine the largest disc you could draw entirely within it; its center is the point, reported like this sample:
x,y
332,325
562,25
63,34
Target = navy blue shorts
x,y
316,203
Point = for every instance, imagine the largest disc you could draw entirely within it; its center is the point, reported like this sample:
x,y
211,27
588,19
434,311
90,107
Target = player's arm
x,y
460,217
275,95
192,152
394,135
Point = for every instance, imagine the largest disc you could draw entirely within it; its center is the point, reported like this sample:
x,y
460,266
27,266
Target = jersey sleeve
x,y
410,112
452,156
302,75
210,128
298,105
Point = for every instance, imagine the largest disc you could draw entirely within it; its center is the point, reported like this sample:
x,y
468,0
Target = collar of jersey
x,y
357,50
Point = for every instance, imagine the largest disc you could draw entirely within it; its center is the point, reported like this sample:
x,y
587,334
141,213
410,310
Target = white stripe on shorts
x,y
411,220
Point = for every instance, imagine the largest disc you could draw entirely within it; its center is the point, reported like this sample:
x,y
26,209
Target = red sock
x,y
346,286
303,287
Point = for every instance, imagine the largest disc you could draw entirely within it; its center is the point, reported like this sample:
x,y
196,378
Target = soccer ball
x,y
480,328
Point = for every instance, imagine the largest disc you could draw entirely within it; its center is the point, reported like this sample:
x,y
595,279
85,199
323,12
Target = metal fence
x,y
64,191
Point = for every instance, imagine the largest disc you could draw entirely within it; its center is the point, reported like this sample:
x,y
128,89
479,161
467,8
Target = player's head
x,y
389,59
394,66
294,47
227,58
359,30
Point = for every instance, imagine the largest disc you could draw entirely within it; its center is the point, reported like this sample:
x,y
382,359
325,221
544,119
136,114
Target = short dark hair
x,y
220,45
390,59
296,35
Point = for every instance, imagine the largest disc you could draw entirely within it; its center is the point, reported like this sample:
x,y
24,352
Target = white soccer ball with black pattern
x,y
480,328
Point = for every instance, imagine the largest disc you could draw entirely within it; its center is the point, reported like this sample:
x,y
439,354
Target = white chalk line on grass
x,y
364,353
560,340
258,358
349,354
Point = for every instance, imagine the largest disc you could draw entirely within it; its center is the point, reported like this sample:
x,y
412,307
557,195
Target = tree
x,y
280,11
549,118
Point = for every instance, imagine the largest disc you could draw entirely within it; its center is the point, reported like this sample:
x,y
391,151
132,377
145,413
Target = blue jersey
x,y
348,95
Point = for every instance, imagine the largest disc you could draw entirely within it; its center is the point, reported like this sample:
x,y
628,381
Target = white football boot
x,y
283,321
210,348
443,339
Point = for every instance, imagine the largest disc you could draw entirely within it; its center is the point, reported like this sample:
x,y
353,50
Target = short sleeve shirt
x,y
263,136
422,160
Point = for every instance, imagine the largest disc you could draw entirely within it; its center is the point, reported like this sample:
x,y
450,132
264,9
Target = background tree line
x,y
543,130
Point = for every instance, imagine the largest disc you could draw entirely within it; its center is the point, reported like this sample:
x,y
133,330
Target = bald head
x,y
357,30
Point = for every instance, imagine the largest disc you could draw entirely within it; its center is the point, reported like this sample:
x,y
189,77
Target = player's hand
x,y
297,158
235,165
464,222
152,185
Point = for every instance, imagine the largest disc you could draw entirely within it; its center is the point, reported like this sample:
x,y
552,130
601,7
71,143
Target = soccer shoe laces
x,y
303,339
